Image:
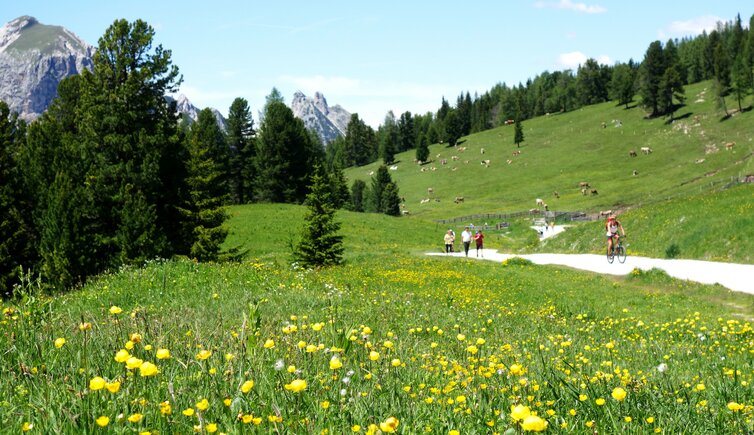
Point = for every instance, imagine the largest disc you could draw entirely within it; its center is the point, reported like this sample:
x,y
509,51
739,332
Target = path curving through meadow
x,y
737,277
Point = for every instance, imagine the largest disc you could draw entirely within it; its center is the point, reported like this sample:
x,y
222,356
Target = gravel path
x,y
738,277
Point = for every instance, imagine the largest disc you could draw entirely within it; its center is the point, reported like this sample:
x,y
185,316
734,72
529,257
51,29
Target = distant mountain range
x,y
35,57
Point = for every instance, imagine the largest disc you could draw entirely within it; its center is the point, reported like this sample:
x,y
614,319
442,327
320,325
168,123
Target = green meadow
x,y
394,341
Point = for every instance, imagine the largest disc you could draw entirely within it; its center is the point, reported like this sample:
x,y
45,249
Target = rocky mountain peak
x,y
327,122
34,58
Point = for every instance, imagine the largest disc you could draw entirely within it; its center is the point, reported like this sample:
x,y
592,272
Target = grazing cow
x,y
632,153
486,163
424,169
430,191
444,161
461,149
517,152
458,200
556,194
454,158
424,201
646,150
604,124
540,202
594,192
606,213
635,172
433,168
584,184
482,150
584,191
699,161
729,146
394,168
405,213
509,161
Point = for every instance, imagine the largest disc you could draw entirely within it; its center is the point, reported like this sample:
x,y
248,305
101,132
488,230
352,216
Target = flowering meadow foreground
x,y
403,345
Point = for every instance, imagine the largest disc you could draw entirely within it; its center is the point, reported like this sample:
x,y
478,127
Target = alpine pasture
x,y
395,342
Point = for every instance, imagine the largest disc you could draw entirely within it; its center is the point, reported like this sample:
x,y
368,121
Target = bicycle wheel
x,y
621,253
611,256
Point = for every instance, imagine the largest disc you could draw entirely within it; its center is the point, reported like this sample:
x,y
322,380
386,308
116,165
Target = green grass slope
x,y
562,150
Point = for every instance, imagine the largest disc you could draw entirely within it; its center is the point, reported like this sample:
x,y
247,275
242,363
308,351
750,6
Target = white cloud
x,y
569,5
573,59
690,27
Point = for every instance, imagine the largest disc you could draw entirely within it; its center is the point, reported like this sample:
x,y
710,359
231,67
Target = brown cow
x,y
632,153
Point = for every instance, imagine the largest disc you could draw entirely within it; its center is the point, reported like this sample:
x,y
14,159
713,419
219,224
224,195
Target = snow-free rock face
x,y
191,113
327,122
34,58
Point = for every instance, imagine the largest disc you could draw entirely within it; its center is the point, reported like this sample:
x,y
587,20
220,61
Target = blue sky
x,y
371,57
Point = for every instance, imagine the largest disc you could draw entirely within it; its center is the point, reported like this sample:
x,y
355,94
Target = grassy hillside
x,y
562,150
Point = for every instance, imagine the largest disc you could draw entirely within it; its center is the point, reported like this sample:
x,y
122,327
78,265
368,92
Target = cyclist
x,y
611,226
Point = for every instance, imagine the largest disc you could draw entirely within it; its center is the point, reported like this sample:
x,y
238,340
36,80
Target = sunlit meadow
x,y
403,344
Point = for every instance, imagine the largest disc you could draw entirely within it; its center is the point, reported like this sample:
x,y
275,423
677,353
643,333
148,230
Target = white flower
x,y
662,368
279,365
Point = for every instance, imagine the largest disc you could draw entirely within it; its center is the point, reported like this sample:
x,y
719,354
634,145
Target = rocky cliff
x,y
34,58
328,122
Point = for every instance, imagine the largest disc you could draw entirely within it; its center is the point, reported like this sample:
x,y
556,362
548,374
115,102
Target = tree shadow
x,y
631,106
678,118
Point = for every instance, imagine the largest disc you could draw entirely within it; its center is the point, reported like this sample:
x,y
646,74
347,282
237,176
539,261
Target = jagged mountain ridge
x,y
327,122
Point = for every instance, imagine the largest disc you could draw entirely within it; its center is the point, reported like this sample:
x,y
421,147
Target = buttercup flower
x,y
335,363
102,421
135,418
122,355
389,425
113,387
618,394
148,369
374,356
115,310
162,354
296,385
203,354
59,342
247,386
533,423
96,383
519,412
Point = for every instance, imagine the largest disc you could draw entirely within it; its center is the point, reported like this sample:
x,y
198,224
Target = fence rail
x,y
563,215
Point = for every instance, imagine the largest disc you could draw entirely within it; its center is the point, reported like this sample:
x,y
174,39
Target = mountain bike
x,y
617,251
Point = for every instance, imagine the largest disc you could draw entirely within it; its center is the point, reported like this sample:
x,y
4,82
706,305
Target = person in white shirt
x,y
466,239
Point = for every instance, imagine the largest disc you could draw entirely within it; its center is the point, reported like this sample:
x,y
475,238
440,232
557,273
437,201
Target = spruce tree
x,y
422,149
391,201
320,243
379,181
285,155
518,135
622,84
652,70
358,195
16,244
338,187
240,139
205,214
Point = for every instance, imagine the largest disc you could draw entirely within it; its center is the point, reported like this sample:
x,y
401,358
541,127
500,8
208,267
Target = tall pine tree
x,y
240,139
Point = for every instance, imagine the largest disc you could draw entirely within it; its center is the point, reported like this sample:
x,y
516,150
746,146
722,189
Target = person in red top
x,y
611,226
479,239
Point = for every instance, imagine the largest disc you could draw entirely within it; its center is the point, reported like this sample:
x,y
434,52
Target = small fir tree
x,y
357,195
320,244
518,136
391,202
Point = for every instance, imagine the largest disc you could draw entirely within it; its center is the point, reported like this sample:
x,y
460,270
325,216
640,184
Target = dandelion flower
x,y
96,383
356,428
269,344
735,407
102,421
211,428
395,362
374,356
59,342
135,418
162,354
165,408
600,401
26,427
188,412
115,310
202,405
